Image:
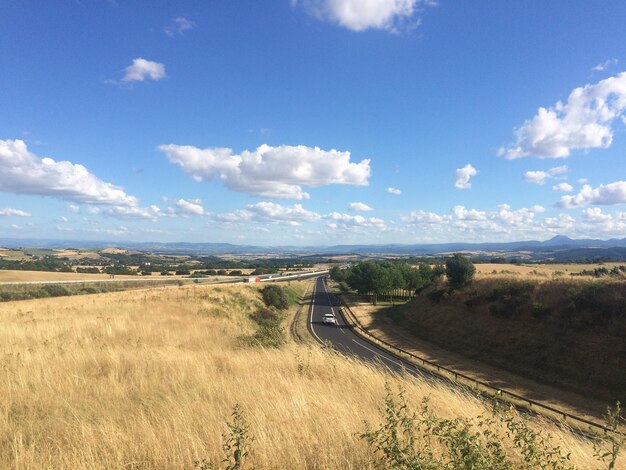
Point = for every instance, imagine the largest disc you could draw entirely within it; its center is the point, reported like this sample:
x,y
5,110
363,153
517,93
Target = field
x,y
7,275
150,379
537,271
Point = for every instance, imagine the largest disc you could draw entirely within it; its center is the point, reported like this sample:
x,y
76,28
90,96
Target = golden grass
x,y
538,271
148,380
33,276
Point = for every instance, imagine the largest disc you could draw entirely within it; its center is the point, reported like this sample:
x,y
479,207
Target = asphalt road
x,y
343,339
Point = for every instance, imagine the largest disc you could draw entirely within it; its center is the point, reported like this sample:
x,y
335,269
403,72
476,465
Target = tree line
x,y
401,280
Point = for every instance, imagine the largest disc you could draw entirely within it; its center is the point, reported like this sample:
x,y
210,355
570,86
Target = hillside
x,y
569,333
150,380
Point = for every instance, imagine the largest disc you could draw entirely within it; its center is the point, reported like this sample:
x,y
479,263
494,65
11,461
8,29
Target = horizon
x,y
307,123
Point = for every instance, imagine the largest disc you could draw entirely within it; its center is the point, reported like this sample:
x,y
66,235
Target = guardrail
x,y
483,387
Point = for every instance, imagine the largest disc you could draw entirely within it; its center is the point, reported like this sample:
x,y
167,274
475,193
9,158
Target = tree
x,y
460,270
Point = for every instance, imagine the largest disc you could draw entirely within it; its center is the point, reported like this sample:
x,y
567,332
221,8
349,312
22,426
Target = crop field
x,y
149,380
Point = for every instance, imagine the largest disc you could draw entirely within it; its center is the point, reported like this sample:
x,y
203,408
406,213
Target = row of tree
x,y
395,280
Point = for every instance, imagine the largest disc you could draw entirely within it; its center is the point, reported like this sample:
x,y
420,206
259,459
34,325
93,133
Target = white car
x,y
329,318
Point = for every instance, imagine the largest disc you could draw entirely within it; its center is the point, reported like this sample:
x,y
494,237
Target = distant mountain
x,y
540,249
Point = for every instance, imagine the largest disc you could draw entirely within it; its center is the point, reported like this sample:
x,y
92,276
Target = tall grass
x,y
149,380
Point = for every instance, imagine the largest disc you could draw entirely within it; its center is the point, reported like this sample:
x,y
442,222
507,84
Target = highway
x,y
343,339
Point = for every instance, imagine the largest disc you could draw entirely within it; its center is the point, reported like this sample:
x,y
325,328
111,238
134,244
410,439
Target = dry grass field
x,y
149,379
537,271
7,275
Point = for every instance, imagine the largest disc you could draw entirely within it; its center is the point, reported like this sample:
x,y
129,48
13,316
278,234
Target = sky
x,y
312,122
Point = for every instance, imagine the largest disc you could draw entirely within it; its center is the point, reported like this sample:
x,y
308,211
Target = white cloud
x,y
189,207
476,224
540,177
612,193
584,122
73,208
563,188
8,212
582,180
602,66
351,222
178,26
461,213
394,191
142,69
274,172
126,212
359,207
359,15
421,217
22,172
270,213
463,175
595,214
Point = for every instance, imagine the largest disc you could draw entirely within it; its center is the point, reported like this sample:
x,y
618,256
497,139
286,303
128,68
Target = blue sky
x,y
312,121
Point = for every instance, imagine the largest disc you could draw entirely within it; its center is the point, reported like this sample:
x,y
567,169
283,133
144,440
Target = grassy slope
x,y
569,332
148,380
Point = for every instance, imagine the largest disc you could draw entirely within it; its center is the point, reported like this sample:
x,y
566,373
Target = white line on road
x,y
311,314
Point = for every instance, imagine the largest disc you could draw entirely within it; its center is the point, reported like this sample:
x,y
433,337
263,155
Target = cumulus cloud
x,y
394,191
8,212
481,224
359,207
274,172
421,217
186,207
602,66
22,172
540,177
270,213
127,212
584,122
612,193
347,221
142,69
178,26
463,175
359,15
563,188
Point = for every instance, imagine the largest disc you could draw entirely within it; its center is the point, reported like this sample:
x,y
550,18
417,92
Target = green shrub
x,y
541,310
275,296
406,438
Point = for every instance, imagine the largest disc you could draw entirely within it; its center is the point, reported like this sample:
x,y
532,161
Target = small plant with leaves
x,y
607,449
237,441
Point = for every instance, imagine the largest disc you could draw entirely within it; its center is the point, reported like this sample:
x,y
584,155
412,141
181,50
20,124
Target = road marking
x,y
380,355
311,314
333,310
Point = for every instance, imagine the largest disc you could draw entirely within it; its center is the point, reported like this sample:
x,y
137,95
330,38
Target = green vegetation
x,y
39,291
565,332
275,296
459,270
236,443
420,439
384,279
268,319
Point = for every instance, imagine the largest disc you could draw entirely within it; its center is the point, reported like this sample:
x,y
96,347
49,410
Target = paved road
x,y
341,336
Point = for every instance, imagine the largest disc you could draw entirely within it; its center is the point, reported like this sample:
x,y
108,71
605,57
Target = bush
x,y
460,270
407,440
275,296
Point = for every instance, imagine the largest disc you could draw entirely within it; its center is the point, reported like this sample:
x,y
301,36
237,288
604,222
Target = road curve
x,y
341,336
